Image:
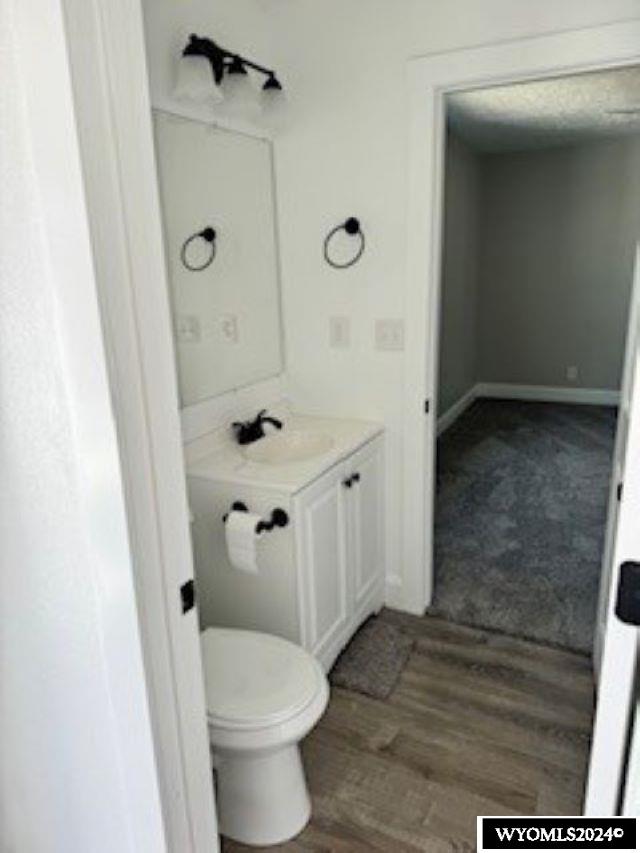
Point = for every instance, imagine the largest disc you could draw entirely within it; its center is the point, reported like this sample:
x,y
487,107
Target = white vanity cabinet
x,y
323,553
320,576
339,543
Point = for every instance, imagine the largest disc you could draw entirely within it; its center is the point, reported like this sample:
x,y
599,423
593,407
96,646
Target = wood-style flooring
x,y
479,724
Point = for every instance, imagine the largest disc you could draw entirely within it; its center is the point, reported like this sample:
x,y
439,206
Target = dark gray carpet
x,y
520,517
374,659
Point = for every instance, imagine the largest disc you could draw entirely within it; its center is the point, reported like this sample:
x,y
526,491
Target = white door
x,y
619,643
365,474
322,517
617,474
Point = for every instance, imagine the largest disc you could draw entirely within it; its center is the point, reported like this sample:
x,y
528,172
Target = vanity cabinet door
x,y
366,525
321,523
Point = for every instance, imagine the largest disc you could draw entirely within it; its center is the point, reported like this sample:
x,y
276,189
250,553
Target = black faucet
x,y
249,431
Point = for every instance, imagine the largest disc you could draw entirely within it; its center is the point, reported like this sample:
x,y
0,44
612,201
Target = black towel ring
x,y
350,226
209,235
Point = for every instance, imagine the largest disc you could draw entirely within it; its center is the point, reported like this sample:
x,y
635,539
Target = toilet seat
x,y
256,681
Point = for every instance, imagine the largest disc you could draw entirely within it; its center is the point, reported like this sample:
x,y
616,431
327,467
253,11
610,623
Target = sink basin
x,y
289,446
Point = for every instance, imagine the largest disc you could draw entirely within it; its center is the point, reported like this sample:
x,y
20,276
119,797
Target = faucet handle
x,y
264,418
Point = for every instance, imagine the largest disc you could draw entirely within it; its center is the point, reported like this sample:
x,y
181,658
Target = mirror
x,y
226,315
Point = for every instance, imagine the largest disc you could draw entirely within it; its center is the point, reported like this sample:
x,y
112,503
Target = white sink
x,y
288,446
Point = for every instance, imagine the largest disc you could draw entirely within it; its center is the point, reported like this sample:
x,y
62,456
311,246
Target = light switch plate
x,y
572,373
229,328
188,329
339,332
389,335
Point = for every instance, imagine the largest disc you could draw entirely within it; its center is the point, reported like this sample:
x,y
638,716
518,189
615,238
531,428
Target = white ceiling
x,y
544,113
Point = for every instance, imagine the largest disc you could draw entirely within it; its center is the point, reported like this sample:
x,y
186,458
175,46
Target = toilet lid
x,y
253,678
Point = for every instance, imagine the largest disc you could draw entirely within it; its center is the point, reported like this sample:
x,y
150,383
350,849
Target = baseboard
x,y
453,412
548,393
537,393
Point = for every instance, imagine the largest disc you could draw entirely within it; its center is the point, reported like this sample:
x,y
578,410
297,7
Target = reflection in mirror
x,y
217,187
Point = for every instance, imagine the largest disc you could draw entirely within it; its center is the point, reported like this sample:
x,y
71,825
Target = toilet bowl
x,y
264,694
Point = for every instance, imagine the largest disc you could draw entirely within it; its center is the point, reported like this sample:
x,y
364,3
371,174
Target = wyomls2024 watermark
x,y
554,833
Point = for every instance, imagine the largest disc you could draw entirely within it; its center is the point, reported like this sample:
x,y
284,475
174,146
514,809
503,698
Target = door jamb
x,y
105,41
429,79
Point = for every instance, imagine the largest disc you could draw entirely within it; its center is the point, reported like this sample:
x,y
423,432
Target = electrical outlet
x,y
339,332
229,328
572,373
389,335
188,329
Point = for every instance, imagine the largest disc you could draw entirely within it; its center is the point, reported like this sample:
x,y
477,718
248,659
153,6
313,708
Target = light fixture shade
x,y
273,102
239,93
195,81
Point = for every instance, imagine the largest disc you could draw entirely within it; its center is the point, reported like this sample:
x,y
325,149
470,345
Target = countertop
x,y
227,464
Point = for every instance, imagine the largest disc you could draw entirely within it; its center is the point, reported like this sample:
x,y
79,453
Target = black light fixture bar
x,y
223,60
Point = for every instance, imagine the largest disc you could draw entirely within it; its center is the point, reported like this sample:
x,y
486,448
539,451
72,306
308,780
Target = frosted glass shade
x,y
195,81
240,95
273,103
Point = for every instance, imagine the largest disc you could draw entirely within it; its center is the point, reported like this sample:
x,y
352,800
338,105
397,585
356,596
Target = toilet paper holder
x,y
279,518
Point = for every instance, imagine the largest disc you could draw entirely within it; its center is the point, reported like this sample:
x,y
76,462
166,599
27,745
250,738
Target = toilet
x,y
264,694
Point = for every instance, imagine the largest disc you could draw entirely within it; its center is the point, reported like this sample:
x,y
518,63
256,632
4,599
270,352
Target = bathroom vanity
x,y
321,575
316,579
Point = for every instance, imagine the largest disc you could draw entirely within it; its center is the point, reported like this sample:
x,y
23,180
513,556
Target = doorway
x,y
431,79
540,225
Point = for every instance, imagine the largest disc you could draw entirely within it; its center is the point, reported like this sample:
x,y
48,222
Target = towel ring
x,y
209,235
352,227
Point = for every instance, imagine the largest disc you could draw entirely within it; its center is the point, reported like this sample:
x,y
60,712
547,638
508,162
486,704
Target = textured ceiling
x,y
544,113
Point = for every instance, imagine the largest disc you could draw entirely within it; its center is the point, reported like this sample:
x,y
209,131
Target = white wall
x,y
71,780
537,265
458,365
344,152
558,235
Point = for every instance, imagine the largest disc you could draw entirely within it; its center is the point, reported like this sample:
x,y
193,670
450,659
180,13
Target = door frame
x,y
108,75
430,79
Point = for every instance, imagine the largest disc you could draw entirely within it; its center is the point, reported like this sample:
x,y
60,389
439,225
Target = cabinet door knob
x,y
355,478
348,482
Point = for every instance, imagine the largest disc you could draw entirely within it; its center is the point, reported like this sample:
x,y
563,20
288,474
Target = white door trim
x,y
429,79
106,46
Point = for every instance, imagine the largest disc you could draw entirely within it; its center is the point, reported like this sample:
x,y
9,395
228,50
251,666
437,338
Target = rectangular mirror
x,y
226,315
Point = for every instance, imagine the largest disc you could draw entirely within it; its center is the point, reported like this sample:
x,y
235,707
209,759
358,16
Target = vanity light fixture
x,y
231,79
350,226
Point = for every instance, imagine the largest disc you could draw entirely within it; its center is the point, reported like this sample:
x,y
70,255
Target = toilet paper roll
x,y
241,536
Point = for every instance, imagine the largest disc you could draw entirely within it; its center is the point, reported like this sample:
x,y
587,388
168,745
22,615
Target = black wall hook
x,y
352,227
207,234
